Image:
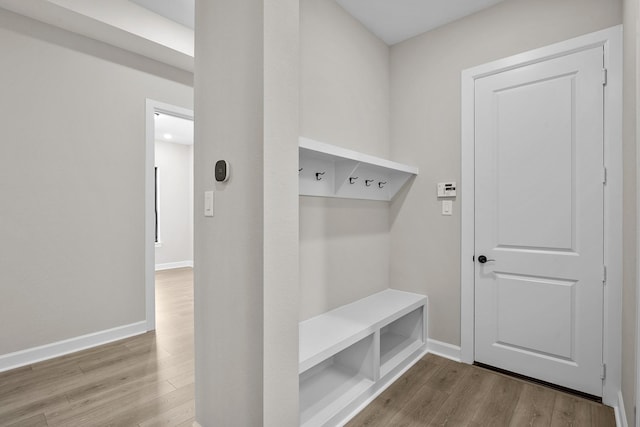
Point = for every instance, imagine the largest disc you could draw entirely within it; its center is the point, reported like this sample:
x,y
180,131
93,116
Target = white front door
x,y
539,220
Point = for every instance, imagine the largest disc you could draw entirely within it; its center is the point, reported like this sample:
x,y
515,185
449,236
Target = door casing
x,y
152,107
611,40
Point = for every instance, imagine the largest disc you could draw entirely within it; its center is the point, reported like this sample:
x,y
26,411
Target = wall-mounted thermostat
x,y
222,171
446,189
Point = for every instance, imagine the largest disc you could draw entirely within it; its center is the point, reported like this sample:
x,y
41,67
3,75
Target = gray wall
x,y
246,275
72,182
344,100
175,172
425,128
630,212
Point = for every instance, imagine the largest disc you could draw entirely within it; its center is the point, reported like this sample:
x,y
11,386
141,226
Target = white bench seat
x,y
352,352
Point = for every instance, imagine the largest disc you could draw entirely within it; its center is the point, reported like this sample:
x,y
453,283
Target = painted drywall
x,y
281,217
344,100
135,19
175,197
72,184
630,112
425,128
246,275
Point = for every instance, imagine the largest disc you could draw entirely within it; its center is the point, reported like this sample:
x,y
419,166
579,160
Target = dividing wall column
x,y
246,255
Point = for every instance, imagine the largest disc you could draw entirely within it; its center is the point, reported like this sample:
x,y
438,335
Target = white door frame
x,y
611,40
636,421
153,107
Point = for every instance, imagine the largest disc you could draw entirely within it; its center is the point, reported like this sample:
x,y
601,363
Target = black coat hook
x,y
319,175
368,182
381,184
352,180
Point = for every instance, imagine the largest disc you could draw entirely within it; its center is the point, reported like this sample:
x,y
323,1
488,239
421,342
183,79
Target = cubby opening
x,y
330,385
399,339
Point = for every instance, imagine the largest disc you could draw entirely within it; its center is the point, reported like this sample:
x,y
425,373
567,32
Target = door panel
x,y
539,220
535,139
542,307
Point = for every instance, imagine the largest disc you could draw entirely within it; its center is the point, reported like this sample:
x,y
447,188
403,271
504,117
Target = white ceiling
x,y
180,130
180,11
394,21
391,20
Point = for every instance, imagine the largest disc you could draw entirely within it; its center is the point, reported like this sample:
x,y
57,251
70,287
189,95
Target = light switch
x,y
208,203
447,207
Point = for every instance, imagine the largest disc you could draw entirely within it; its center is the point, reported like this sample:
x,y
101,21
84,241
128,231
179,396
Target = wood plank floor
x,y
148,380
440,392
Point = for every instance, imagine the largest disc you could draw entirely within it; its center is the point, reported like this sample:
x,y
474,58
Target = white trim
x,y
619,412
636,36
71,345
611,40
172,265
444,349
149,247
613,196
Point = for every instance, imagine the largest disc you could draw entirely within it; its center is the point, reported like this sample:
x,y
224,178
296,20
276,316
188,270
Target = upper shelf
x,y
330,171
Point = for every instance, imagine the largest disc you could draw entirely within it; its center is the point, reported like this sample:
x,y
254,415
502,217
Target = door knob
x,y
482,259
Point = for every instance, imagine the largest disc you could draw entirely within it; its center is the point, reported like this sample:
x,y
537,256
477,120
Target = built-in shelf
x,y
399,339
324,389
350,353
326,170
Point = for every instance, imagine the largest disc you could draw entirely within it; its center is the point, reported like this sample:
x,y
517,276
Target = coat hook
x,y
368,182
319,175
352,180
300,170
381,184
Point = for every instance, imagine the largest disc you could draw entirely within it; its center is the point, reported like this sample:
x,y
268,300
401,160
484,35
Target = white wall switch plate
x,y
446,189
447,207
208,203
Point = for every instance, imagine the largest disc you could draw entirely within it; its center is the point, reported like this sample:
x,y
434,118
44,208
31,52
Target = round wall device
x,y
222,171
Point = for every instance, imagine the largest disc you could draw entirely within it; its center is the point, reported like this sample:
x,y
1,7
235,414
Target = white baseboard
x,y
621,415
444,349
171,265
60,348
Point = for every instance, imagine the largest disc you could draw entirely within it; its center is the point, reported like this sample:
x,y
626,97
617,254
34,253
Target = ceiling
x,y
180,11
391,20
173,129
394,21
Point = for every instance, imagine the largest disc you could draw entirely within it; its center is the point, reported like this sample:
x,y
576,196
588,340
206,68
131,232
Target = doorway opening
x,y
168,195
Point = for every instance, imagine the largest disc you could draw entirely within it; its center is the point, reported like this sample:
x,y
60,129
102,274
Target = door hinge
x,y
604,274
604,175
603,374
604,76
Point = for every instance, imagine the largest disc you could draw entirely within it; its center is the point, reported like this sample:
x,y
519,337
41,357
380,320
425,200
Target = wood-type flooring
x,y
440,392
148,380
